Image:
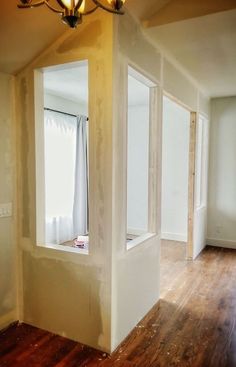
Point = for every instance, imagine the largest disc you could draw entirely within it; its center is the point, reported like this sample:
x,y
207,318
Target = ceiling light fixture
x,y
72,11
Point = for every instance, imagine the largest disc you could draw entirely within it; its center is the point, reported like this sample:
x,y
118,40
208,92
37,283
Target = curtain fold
x,y
66,177
80,208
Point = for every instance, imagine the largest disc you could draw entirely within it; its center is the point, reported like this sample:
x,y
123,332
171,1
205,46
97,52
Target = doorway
x,y
178,166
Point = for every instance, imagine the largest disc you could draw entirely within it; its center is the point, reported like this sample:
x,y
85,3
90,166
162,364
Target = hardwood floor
x,y
173,255
194,324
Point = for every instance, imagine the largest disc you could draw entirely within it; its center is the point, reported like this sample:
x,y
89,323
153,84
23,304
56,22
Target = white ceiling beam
x,y
177,10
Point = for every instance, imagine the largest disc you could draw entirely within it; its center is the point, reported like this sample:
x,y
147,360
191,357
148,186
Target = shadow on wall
x,y
222,179
222,225
7,291
63,298
87,37
25,147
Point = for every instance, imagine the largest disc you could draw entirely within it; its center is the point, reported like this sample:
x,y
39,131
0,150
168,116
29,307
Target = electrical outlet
x,y
5,210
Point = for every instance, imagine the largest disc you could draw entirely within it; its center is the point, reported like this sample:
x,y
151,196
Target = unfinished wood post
x,y
191,184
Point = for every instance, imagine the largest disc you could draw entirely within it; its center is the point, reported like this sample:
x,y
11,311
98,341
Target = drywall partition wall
x,y
96,299
203,105
222,174
8,304
135,272
179,86
175,171
142,53
66,292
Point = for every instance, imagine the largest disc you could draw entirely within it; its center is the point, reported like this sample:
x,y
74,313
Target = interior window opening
x,y
138,151
66,156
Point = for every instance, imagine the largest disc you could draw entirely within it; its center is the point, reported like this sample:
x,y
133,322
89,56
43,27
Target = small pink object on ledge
x,y
82,242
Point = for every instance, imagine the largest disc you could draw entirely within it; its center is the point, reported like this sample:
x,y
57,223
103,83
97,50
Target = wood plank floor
x,y
194,325
173,255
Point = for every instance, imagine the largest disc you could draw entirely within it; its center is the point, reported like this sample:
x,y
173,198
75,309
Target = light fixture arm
x,y
99,5
90,11
39,3
52,7
29,5
72,15
75,7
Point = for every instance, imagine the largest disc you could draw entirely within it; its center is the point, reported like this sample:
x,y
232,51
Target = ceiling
x,y
177,10
24,34
68,82
197,33
206,47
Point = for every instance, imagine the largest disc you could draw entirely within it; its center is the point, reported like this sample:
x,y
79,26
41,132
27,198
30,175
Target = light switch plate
x,y
5,210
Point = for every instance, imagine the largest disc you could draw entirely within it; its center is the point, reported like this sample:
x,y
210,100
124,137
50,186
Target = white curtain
x,y
61,175
80,210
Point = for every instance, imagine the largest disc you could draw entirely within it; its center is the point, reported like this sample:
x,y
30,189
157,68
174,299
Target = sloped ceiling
x,y
206,47
144,10
177,10
24,34
203,44
199,34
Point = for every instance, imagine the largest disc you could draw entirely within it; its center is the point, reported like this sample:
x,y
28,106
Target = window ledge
x,y
139,241
62,248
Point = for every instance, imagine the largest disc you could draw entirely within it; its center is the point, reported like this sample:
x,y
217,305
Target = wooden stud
x,y
191,184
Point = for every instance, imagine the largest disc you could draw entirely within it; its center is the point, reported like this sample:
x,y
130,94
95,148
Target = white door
x,y
201,184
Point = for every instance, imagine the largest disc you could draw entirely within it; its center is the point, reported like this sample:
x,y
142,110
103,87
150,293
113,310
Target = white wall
x,y
175,168
7,235
222,173
57,103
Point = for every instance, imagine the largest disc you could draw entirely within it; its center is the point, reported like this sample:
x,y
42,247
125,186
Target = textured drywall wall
x,y
135,272
7,229
70,293
204,105
176,84
135,46
222,173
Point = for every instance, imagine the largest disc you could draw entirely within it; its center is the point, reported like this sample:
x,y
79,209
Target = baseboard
x,y
7,319
174,237
221,243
